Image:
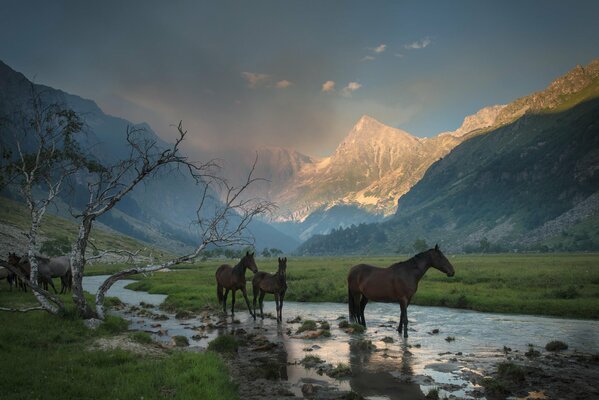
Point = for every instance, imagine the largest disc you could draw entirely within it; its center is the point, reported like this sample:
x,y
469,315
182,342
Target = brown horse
x,y
233,278
276,284
397,283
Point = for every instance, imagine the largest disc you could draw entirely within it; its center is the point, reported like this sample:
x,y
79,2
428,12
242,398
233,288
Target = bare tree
x,y
225,225
42,155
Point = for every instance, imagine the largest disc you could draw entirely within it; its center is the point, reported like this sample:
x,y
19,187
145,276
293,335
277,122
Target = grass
x,y
565,285
224,344
307,325
47,357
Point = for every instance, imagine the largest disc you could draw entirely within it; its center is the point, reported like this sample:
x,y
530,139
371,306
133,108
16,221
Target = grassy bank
x,y
564,285
45,357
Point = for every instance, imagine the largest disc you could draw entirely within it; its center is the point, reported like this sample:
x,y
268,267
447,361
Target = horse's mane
x,y
411,260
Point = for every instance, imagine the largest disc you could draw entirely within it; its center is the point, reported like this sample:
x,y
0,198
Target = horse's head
x,y
283,266
440,262
248,262
14,259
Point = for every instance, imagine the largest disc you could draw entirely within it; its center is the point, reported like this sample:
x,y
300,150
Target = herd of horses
x,y
48,269
394,284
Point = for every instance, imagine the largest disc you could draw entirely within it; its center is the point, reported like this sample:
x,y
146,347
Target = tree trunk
x,y
78,268
36,217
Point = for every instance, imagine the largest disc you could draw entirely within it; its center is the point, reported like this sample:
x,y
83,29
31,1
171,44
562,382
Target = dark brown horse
x,y
397,283
276,284
233,278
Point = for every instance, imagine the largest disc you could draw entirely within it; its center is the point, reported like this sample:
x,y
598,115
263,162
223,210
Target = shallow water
x,y
404,369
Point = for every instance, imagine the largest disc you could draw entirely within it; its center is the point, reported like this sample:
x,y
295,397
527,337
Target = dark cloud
x,y
245,74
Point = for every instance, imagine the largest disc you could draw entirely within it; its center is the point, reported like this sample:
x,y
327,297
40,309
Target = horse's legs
x,y
363,303
282,296
233,301
225,300
403,319
277,305
255,290
247,302
261,301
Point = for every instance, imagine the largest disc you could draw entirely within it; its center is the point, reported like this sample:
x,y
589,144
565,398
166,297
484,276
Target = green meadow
x,y
565,285
47,357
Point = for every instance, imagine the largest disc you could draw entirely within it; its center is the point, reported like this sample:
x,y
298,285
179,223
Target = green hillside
x,y
57,232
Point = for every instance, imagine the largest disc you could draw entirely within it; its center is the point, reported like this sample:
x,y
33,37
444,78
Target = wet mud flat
x,y
458,354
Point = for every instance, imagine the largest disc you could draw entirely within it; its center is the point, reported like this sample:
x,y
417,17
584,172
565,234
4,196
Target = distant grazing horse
x,y
233,278
7,274
48,268
264,282
23,265
57,267
397,283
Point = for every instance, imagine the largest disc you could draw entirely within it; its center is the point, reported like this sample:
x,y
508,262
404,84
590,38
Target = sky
x,y
296,74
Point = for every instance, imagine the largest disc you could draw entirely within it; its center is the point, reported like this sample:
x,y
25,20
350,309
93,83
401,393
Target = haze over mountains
x,y
518,176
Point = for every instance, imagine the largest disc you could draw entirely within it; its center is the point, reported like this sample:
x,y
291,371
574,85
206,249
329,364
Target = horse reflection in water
x,y
371,376
395,284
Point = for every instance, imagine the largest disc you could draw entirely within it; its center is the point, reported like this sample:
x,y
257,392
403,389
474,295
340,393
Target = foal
x,y
264,282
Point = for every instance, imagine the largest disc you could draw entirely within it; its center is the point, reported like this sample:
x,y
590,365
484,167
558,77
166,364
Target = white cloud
x,y
350,88
255,80
284,84
419,44
328,86
380,48
368,58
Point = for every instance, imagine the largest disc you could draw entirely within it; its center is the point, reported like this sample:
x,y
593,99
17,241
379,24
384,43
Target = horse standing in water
x,y
397,283
233,278
276,284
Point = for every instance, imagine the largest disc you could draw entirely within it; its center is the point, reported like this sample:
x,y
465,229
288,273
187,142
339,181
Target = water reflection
x,y
371,376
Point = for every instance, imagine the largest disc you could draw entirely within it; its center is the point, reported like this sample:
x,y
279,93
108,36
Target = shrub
x,y
339,371
433,394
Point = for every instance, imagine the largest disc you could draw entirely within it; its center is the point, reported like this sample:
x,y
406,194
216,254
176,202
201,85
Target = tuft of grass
x,y
432,394
311,360
356,328
141,337
531,352
113,324
512,372
388,339
450,339
556,345
362,345
341,370
224,344
325,325
181,341
493,386
307,325
343,324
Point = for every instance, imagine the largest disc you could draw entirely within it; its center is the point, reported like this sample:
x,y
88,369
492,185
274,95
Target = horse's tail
x,y
351,305
219,293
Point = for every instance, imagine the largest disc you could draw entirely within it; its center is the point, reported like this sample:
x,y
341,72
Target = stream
x,y
398,368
